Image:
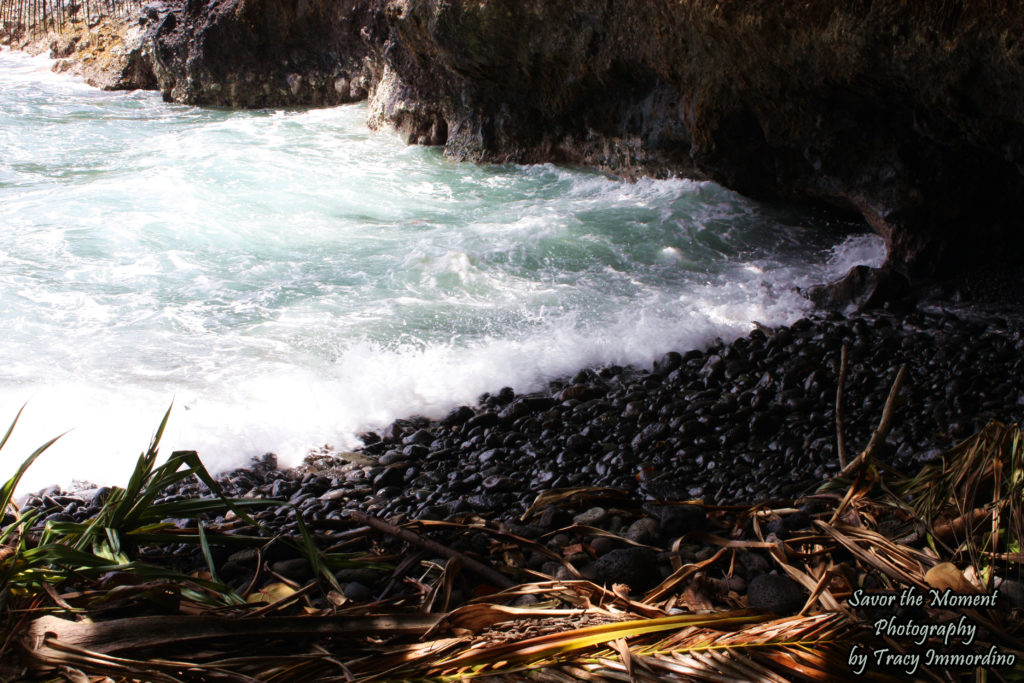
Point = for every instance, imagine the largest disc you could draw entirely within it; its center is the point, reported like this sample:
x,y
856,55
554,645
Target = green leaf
x,y
313,554
10,430
7,490
207,555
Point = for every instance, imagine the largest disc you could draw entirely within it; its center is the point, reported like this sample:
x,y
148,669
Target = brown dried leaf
x,y
945,575
474,618
572,549
696,596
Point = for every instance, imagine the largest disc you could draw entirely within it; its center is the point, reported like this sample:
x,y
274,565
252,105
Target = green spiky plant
x,y
13,534
32,563
35,562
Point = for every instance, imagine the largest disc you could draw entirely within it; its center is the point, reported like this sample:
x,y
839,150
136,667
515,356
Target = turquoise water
x,y
289,278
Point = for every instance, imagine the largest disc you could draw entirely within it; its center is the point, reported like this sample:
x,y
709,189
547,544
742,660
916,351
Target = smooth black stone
x,y
415,451
676,520
420,436
636,567
775,593
391,457
391,476
488,419
457,416
357,592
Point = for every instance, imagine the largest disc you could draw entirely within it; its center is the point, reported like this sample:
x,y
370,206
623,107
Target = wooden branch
x,y
882,431
495,577
840,439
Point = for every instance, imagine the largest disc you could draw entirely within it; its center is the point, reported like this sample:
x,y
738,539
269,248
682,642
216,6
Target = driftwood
x,y
967,524
840,438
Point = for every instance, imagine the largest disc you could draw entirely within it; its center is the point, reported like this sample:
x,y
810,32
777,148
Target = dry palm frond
x,y
752,648
678,576
577,495
900,563
739,645
491,575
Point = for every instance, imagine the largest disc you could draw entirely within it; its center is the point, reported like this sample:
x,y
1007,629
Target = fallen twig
x,y
840,439
955,530
882,431
495,577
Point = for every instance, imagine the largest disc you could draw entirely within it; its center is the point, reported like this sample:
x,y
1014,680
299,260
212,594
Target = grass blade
x,y
7,490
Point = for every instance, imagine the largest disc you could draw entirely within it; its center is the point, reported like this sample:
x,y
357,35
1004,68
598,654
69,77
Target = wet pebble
x,y
592,517
357,592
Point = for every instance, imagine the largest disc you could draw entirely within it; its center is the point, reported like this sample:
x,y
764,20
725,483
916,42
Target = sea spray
x,y
288,278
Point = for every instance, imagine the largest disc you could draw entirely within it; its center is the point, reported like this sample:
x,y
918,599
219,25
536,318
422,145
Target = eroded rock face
x,y
263,53
908,113
113,53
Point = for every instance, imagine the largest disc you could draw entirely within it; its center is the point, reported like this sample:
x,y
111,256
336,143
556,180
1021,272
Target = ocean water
x,y
289,278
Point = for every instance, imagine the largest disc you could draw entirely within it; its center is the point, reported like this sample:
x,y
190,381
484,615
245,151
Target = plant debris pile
x,y
781,591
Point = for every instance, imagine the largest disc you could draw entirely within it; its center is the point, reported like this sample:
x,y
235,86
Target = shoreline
x,y
725,425
657,342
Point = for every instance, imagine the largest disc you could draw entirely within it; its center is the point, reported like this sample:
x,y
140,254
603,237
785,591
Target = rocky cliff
x,y
910,113
262,53
110,53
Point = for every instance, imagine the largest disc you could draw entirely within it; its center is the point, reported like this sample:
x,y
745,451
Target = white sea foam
x,y
241,412
289,279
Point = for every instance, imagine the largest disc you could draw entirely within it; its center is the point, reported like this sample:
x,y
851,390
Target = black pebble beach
x,y
738,423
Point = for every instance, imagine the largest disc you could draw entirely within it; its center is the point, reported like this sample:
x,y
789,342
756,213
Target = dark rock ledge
x,y
907,113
